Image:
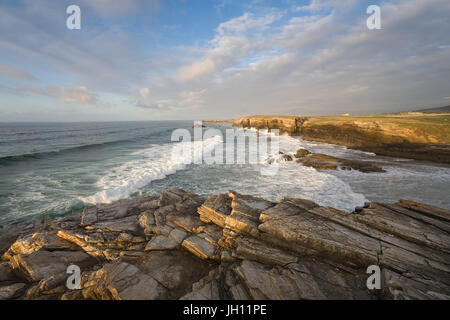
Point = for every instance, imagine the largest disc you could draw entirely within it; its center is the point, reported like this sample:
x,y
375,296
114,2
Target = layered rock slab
x,y
230,246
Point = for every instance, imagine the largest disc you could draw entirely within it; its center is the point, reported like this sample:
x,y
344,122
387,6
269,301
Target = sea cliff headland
x,y
421,136
179,245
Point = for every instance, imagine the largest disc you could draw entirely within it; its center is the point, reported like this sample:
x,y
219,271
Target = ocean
x,y
57,168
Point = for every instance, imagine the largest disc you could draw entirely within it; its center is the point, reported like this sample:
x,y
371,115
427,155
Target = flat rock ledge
x,y
229,246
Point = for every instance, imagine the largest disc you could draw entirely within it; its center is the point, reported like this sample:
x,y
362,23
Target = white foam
x,y
154,163
292,179
295,180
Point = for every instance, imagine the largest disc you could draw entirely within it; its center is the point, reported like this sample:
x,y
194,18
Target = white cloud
x,y
311,61
77,94
17,73
143,92
354,89
108,8
233,41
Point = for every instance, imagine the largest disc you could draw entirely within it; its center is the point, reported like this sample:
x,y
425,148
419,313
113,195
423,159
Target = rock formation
x,y
425,138
229,246
321,161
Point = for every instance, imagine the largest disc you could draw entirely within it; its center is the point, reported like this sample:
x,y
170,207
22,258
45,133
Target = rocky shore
x,y
321,161
229,246
420,137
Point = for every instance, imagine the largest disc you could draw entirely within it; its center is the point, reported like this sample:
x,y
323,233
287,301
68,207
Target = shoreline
x,y
229,246
425,137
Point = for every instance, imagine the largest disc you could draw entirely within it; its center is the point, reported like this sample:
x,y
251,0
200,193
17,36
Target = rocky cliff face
x,y
389,138
290,125
230,246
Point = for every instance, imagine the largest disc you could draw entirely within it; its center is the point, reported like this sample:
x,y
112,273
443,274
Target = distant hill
x,y
435,110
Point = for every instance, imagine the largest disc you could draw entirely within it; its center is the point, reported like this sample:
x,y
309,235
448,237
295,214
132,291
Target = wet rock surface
x,y
325,162
230,246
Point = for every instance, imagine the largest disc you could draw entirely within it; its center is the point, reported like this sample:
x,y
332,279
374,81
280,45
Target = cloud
x,y
17,73
313,59
183,101
327,66
144,93
233,42
101,58
316,5
79,94
354,89
114,8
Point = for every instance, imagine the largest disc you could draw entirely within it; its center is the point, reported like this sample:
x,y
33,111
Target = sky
x,y
220,59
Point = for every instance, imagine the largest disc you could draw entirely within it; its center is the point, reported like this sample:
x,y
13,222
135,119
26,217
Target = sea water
x,y
57,168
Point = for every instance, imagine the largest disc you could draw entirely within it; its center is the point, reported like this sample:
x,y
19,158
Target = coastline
x,y
229,246
413,136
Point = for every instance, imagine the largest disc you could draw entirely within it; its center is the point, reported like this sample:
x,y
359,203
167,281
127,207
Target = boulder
x,y
286,157
300,153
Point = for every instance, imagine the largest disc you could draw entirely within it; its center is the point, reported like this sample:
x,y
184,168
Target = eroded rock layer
x,y
423,138
230,246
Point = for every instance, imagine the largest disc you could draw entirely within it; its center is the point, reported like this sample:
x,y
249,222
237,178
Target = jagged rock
x,y
325,162
128,224
300,153
185,220
6,274
297,229
236,288
247,205
405,227
51,266
172,241
175,270
121,281
12,233
215,209
205,289
300,281
243,216
319,161
199,247
83,242
388,135
252,249
37,241
432,211
146,222
173,196
113,211
12,291
362,166
161,243
249,248
151,204
286,157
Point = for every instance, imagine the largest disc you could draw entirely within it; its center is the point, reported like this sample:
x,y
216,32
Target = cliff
x,y
229,246
415,136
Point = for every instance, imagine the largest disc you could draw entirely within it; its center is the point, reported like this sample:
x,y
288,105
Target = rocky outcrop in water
x,y
229,246
321,161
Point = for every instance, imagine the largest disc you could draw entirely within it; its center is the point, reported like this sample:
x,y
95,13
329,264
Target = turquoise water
x,y
56,168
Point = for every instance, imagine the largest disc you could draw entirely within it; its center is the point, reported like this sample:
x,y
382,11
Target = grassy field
x,y
435,128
